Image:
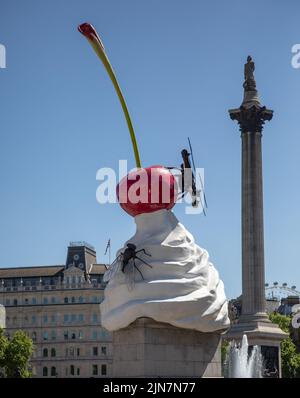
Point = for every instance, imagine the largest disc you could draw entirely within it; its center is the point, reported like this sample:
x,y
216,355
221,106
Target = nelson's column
x,y
254,322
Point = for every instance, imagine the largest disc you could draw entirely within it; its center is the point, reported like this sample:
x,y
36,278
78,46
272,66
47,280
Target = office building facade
x,y
58,306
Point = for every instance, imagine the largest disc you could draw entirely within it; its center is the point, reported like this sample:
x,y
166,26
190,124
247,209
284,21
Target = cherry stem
x,y
91,34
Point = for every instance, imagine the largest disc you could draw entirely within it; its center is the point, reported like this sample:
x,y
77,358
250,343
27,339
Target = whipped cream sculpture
x,y
160,272
182,287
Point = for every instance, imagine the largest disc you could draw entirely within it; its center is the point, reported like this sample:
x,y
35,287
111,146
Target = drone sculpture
x,y
188,179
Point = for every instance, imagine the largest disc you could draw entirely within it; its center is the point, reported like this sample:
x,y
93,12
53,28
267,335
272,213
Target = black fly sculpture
x,y
188,179
129,254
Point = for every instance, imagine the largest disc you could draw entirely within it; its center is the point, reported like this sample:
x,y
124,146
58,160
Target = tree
x,y
224,351
3,346
15,354
290,359
283,321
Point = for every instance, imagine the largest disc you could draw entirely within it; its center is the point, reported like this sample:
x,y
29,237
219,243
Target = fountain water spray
x,y
239,364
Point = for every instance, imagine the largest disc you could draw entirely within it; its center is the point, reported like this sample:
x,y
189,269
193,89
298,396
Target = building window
x,y
53,371
103,350
45,318
33,336
95,318
45,371
73,299
104,334
103,370
95,299
45,335
80,317
95,351
66,300
66,335
80,299
73,317
53,318
53,300
73,335
78,352
66,318
95,370
53,335
46,281
15,302
53,352
78,371
94,335
26,301
33,319
45,352
72,370
45,300
80,334
7,302
33,300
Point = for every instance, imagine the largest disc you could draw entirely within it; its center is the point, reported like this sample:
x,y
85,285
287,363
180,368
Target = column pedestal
x,y
147,348
263,333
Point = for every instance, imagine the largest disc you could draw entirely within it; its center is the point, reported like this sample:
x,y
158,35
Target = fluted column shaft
x,y
251,119
253,269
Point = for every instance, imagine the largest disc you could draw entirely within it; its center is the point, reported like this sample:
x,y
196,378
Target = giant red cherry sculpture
x,y
147,190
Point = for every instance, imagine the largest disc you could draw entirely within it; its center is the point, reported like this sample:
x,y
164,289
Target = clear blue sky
x,y
180,65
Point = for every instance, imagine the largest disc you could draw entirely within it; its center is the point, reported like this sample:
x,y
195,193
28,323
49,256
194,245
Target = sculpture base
x,y
262,332
147,348
251,98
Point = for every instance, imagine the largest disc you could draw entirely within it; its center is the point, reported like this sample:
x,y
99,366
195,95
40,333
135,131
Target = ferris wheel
x,y
276,291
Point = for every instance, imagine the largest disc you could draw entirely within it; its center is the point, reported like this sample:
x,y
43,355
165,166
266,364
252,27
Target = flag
x,y
107,246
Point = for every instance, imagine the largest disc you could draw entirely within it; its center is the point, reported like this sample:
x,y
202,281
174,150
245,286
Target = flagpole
x,y
109,253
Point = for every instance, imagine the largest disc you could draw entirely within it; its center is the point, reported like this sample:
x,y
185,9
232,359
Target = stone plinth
x,y
147,348
2,317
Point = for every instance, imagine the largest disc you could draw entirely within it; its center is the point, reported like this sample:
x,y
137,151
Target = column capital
x,y
251,119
